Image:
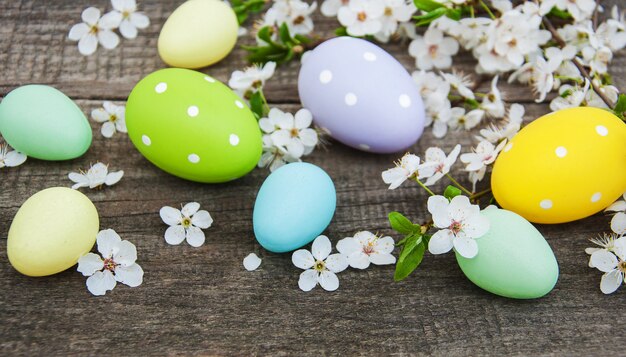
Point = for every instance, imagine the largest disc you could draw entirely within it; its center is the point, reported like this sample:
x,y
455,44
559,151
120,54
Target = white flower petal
x,y
465,246
251,262
303,259
78,31
108,241
88,44
394,177
359,260
99,283
336,263
195,236
438,208
89,263
441,242
303,119
382,258
618,223
202,219
604,260
100,115
108,129
476,226
170,215
174,235
108,39
321,247
308,280
91,15
308,137
113,177
190,209
14,158
128,30
109,21
140,20
130,275
126,254
328,280
384,245
611,281
348,246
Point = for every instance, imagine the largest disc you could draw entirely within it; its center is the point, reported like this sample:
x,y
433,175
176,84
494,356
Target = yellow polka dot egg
x,y
562,167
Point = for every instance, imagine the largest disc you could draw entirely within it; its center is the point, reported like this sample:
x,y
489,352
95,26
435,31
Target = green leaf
x,y
427,18
561,14
302,39
454,14
620,106
257,105
410,257
342,31
451,192
283,34
427,5
403,225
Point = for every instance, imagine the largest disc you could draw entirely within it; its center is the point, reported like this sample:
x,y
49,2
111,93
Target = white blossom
x,y
612,263
570,96
409,167
461,120
293,133
274,156
395,12
131,18
579,9
95,29
96,176
441,162
320,267
186,224
113,118
362,17
492,103
248,81
117,264
295,13
365,248
460,223
433,50
460,83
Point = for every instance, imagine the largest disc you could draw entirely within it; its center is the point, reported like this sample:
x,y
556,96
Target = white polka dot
x,y
239,104
508,147
193,158
161,87
326,76
193,111
596,197
602,130
405,101
350,99
561,151
545,204
145,139
234,140
209,79
369,56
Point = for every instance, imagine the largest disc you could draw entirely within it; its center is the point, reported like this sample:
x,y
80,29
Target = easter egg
x,y
198,33
51,230
564,166
294,205
514,260
361,96
193,126
44,123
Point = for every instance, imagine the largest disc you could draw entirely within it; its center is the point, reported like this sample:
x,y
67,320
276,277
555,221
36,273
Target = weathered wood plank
x,y
201,301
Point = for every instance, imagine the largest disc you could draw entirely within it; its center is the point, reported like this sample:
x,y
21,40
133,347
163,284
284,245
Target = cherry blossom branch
x,y
424,187
550,27
457,184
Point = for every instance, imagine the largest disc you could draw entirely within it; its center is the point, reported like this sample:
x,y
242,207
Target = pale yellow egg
x,y
564,166
198,33
51,230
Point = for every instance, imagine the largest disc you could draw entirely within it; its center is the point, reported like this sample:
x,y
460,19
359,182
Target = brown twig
x,y
577,63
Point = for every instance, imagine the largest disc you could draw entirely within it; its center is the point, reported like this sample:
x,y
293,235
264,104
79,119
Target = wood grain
x,y
200,301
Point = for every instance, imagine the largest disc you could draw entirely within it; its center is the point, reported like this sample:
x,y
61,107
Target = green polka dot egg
x,y
193,126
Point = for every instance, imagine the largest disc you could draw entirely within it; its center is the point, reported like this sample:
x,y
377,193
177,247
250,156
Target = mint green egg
x,y
42,122
193,126
514,260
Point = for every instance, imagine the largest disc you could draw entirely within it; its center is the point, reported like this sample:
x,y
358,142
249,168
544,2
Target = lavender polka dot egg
x,y
361,95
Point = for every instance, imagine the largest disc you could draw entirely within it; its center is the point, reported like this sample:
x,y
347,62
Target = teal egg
x,y
294,205
514,260
43,123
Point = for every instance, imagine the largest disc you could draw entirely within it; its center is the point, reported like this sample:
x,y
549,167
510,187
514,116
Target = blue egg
x,y
295,204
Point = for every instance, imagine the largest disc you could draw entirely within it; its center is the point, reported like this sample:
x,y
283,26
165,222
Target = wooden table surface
x,y
201,300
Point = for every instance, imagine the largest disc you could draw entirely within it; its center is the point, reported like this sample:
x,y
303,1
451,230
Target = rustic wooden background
x,y
201,301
